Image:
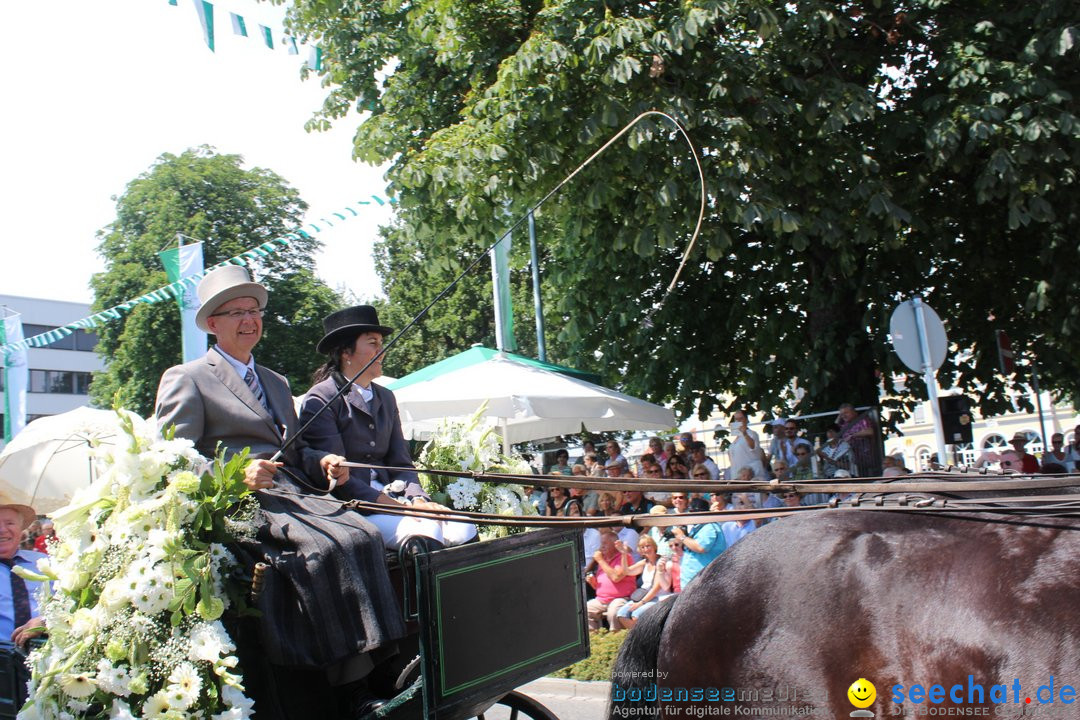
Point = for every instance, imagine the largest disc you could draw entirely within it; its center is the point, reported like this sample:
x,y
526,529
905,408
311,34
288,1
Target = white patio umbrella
x,y
526,401
50,458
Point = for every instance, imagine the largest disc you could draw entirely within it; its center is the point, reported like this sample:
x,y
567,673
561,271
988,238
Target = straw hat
x,y
27,513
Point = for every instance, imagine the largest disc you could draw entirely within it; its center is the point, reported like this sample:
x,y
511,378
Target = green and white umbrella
x,y
526,399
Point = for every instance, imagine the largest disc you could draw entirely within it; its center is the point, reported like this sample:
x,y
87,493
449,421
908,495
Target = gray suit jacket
x,y
210,404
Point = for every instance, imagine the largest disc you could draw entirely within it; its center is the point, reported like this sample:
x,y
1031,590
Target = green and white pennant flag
x,y
238,25
184,262
205,11
16,374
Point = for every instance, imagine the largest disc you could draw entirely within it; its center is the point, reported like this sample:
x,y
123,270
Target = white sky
x,y
95,91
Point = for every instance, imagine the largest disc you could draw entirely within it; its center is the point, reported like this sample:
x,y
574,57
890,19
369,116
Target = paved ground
x,y
569,699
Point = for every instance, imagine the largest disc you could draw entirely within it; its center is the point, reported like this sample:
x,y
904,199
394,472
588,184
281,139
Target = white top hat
x,y
222,285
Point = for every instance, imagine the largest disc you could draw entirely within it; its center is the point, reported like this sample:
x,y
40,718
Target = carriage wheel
x,y
519,707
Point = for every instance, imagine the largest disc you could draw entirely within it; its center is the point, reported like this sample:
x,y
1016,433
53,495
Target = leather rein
x,y
897,494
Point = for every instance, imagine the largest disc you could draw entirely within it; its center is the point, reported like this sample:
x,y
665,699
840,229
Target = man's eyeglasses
x,y
241,314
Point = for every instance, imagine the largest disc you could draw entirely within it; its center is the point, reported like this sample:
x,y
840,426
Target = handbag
x,y
638,594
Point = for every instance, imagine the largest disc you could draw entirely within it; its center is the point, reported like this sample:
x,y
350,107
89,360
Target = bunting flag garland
x,y
205,10
174,290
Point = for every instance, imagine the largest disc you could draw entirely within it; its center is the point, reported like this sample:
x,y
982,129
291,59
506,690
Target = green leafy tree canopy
x,y
856,153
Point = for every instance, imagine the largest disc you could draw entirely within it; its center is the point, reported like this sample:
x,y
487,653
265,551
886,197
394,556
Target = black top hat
x,y
340,325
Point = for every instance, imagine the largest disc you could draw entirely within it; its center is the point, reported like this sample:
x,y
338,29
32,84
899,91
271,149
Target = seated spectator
x,y
48,532
607,575
561,504
735,530
589,499
19,617
578,470
680,501
659,534
677,468
651,468
587,448
1028,463
803,469
698,457
702,543
791,498
835,454
669,450
656,449
635,503
593,466
655,583
675,565
686,440
30,536
1056,455
562,464
537,497
615,458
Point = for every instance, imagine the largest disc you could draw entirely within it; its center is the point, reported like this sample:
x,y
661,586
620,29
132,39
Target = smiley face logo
x,y
862,693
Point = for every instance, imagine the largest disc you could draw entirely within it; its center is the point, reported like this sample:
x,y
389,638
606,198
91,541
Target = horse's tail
x,y
633,680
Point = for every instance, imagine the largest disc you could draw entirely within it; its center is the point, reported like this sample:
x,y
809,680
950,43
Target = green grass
x,y
604,647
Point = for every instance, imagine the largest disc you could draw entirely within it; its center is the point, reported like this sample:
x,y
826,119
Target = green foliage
x,y
208,196
855,153
603,649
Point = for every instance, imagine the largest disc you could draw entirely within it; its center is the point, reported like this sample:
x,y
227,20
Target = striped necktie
x,y
256,389
20,596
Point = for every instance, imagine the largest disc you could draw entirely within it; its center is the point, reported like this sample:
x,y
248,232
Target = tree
x,y
204,195
464,317
855,153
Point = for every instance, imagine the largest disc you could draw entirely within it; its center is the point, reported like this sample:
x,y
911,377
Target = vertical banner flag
x,y
205,10
16,374
181,262
500,287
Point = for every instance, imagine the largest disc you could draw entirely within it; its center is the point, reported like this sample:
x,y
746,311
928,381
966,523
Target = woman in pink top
x,y
607,575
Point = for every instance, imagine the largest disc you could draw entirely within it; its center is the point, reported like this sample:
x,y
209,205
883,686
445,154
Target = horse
x,y
946,613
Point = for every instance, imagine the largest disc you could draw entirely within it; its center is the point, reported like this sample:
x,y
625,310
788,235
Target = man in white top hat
x,y
327,603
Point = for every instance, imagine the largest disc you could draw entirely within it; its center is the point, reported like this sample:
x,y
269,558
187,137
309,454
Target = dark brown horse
x,y
942,614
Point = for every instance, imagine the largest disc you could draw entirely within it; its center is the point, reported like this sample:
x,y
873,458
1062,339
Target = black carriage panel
x,y
497,614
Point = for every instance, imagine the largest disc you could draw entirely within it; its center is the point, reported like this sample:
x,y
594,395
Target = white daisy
x,y
78,685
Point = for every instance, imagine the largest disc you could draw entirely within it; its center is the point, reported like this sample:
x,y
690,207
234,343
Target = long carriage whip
x,y
419,316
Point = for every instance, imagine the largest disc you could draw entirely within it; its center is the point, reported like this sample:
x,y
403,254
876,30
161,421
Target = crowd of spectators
x,y
628,573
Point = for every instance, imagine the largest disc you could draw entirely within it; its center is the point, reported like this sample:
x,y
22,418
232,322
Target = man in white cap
x,y
327,604
19,618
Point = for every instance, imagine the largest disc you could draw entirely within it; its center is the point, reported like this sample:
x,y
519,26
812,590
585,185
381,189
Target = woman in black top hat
x,y
363,426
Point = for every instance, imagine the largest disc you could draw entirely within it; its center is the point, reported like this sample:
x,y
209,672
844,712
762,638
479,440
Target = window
x,y
965,454
60,382
994,443
920,413
78,340
922,458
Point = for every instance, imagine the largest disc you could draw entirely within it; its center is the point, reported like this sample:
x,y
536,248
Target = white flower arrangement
x,y
473,445
139,576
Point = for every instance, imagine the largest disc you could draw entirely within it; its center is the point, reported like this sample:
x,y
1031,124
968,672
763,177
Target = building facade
x,y
60,373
